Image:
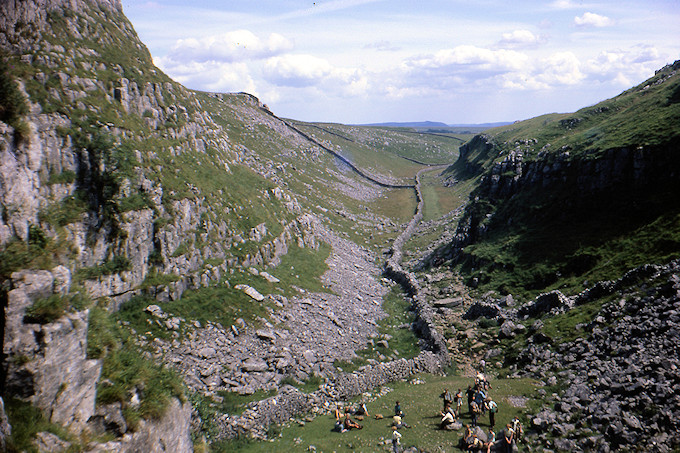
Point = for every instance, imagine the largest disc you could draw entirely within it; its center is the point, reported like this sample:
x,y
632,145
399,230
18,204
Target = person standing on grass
x,y
474,409
493,408
396,440
447,397
459,402
470,396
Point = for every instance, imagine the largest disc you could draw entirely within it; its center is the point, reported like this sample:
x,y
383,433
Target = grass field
x,y
421,404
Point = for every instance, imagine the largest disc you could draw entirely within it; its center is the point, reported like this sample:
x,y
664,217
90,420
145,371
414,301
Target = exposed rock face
x,y
619,170
47,363
306,335
169,434
33,15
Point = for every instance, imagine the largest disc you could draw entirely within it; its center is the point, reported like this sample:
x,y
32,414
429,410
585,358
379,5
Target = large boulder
x,y
546,303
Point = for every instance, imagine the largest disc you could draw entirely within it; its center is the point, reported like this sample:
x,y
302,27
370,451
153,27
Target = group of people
x,y
474,439
479,402
344,421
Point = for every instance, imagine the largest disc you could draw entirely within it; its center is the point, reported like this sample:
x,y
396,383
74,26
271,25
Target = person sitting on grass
x,y
467,438
447,419
398,422
338,412
476,444
351,424
363,411
397,409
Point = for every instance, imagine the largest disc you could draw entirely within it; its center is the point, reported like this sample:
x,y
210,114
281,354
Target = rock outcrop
x,y
620,377
47,364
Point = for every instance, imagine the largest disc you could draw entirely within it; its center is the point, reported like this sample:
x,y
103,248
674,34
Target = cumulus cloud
x,y
210,75
460,68
593,20
301,71
239,45
520,38
558,69
471,58
624,66
297,70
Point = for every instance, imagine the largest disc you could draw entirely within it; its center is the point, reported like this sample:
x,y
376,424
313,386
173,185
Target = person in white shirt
x,y
396,440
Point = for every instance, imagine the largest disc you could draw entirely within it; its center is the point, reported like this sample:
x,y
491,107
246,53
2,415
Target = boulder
x,y
449,302
507,330
50,443
110,419
250,291
483,310
544,303
255,365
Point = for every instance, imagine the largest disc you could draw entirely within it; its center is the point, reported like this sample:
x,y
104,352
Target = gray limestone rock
x,y
255,365
108,418
50,443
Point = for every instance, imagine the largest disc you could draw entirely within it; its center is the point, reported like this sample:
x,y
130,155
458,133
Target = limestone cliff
x,y
554,189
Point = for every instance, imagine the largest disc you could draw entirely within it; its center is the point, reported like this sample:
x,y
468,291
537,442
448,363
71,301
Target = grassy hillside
x,y
564,198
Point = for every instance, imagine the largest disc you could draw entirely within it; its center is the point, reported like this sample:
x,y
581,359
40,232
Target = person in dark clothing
x,y
397,409
470,396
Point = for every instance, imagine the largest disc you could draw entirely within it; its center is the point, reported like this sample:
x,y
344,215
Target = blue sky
x,y
366,61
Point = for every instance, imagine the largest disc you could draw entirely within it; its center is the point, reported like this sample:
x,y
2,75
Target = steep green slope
x,y
564,198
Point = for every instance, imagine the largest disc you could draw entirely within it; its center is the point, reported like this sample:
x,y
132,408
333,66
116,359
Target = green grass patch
x,y
126,369
395,327
420,403
51,308
114,265
309,385
69,210
26,421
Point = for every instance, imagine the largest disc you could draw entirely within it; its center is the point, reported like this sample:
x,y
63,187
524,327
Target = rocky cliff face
x,y
593,171
79,194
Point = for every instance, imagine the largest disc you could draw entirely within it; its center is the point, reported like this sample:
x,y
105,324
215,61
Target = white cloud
x,y
562,68
240,45
593,20
520,38
623,67
383,46
297,70
471,58
563,4
301,71
210,75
